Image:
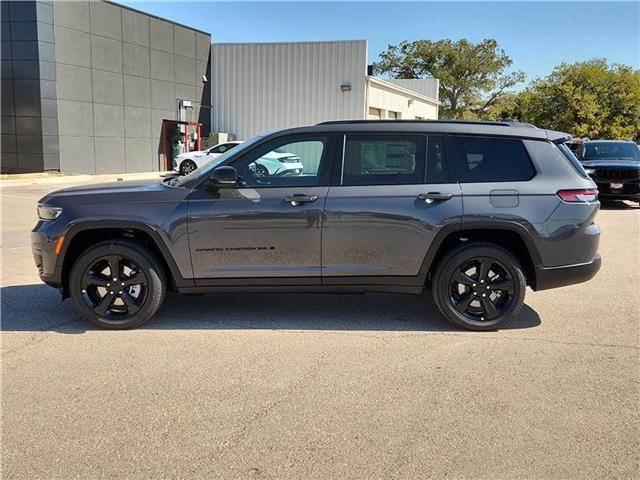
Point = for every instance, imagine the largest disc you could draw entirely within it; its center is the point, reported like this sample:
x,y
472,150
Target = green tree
x,y
472,75
587,99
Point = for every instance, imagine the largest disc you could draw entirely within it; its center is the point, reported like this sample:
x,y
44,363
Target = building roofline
x,y
290,42
403,90
156,16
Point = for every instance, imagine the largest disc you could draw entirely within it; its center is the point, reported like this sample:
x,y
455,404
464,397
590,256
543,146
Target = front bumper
x,y
629,190
553,277
45,257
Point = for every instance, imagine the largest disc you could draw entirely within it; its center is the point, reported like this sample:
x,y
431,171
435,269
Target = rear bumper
x,y
553,277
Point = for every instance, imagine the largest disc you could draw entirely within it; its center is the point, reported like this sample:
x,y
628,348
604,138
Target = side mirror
x,y
223,177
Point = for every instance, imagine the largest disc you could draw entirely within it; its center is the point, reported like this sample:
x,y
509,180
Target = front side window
x,y
488,159
383,160
283,163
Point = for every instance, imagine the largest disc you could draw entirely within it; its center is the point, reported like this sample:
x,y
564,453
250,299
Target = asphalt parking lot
x,y
322,386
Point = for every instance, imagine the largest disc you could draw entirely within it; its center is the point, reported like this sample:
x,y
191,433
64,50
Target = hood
x,y
611,163
191,153
116,192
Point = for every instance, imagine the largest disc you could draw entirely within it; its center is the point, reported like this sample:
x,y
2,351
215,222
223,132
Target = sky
x,y
536,35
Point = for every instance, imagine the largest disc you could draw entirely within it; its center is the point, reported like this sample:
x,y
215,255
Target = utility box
x,y
216,138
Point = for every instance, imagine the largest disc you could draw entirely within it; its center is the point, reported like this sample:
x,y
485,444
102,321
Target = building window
x,y
374,113
393,115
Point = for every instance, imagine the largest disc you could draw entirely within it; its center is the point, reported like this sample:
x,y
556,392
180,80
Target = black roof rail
x,y
464,122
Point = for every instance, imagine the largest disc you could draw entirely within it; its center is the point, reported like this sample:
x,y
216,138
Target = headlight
x,y
46,212
590,171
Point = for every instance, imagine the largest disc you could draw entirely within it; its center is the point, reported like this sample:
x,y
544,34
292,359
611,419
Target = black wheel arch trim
x,y
74,229
495,224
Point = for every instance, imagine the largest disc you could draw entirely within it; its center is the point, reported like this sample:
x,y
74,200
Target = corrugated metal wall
x,y
266,86
426,86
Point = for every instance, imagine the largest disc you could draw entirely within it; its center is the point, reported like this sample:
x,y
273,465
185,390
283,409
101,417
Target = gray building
x,y
88,86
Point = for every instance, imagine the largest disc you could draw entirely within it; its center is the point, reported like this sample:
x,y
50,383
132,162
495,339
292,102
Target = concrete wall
x,y
29,109
258,87
119,73
386,97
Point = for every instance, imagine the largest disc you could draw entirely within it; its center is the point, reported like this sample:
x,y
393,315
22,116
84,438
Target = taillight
x,y
586,195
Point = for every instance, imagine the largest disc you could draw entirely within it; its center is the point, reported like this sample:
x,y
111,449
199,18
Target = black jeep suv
x,y
475,211
615,167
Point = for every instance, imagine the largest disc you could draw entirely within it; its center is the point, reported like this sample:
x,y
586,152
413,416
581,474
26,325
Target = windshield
x,y
206,168
619,150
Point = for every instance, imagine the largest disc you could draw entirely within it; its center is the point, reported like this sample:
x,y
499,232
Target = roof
x,y
609,141
471,127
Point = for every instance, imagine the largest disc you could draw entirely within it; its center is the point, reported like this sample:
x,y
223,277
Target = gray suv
x,y
475,211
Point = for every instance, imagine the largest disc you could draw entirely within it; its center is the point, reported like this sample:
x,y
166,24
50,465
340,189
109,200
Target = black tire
x,y
466,291
139,289
187,166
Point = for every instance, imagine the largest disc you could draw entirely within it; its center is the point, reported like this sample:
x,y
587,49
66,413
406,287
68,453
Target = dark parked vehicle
x,y
615,167
476,211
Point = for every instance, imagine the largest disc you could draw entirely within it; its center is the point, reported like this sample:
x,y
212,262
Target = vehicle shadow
x,y
38,308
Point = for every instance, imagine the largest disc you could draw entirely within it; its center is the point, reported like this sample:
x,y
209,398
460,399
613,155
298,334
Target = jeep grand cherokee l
x,y
474,211
615,167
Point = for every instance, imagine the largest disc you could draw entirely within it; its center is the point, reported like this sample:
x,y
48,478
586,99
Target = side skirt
x,y
409,285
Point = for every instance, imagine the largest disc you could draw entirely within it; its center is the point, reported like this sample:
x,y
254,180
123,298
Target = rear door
x,y
391,198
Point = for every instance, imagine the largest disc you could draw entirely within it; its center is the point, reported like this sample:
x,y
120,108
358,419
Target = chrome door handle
x,y
300,198
435,197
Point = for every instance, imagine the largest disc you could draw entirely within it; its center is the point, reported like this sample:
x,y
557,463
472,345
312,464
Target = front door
x,y
269,226
388,207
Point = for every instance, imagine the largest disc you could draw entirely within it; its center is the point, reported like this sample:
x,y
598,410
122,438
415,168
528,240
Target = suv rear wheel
x,y
117,284
479,286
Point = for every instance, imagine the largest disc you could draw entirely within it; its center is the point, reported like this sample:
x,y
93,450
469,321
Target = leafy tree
x,y
472,75
588,99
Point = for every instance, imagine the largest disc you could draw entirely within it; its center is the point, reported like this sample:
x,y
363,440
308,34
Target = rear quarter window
x,y
575,163
488,159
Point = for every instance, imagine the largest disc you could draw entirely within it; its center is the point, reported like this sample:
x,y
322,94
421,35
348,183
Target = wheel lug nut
x,y
110,293
122,284
108,284
475,294
120,292
481,281
484,294
474,284
115,279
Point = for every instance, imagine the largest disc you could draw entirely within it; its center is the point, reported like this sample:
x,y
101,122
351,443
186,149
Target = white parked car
x,y
187,162
277,163
269,165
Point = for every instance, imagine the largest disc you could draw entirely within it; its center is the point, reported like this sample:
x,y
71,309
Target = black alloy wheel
x,y
117,284
479,286
114,287
481,289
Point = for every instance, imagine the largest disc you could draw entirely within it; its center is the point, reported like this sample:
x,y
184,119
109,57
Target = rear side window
x,y
575,163
383,160
486,159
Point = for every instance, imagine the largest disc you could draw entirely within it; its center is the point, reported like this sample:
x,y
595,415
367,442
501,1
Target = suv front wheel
x,y
479,286
117,284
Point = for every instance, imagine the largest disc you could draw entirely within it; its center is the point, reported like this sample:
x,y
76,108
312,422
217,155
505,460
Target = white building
x,y
257,87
